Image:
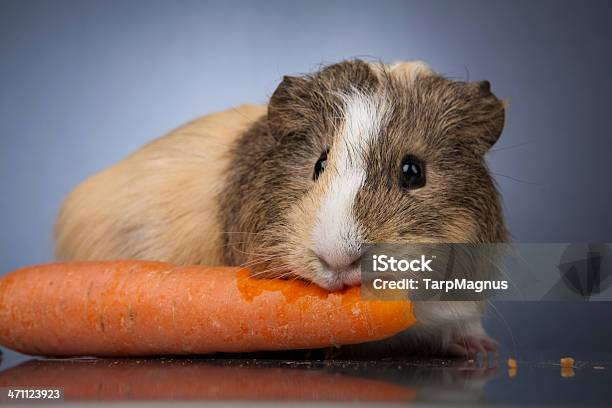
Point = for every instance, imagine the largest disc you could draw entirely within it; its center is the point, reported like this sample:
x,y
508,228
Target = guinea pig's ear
x,y
288,109
484,115
303,103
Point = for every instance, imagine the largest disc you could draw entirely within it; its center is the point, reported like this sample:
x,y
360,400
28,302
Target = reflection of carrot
x,y
194,380
125,308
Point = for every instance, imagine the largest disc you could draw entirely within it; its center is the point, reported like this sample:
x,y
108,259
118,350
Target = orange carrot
x,y
136,308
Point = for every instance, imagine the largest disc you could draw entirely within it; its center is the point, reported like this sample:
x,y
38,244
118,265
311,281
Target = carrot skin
x,y
140,308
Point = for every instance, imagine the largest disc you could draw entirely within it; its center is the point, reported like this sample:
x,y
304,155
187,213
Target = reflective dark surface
x,y
277,377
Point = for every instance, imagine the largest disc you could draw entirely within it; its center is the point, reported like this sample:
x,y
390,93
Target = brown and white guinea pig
x,y
355,153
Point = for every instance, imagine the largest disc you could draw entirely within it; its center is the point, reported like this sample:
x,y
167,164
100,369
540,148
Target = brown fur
x,y
233,184
160,203
237,187
450,125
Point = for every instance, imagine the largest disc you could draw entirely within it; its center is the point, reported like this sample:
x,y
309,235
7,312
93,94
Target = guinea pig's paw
x,y
470,346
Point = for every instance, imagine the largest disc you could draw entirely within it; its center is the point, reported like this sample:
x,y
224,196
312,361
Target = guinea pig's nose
x,y
339,262
341,268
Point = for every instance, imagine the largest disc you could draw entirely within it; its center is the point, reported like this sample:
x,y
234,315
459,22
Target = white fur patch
x,y
336,234
409,71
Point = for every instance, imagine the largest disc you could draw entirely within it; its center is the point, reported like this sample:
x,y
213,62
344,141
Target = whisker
x,y
273,270
243,232
506,325
258,261
514,146
518,180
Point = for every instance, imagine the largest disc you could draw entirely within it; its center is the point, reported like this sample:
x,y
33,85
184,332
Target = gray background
x,y
84,83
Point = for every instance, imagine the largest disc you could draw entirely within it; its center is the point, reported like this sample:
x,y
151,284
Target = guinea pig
x,y
355,153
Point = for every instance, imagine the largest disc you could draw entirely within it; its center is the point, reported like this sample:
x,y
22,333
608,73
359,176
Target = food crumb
x,y
567,362
567,372
512,363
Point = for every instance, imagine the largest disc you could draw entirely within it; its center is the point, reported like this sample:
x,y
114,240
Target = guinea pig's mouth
x,y
335,277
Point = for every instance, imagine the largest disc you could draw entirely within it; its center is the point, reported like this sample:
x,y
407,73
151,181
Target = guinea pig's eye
x,y
412,172
320,166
